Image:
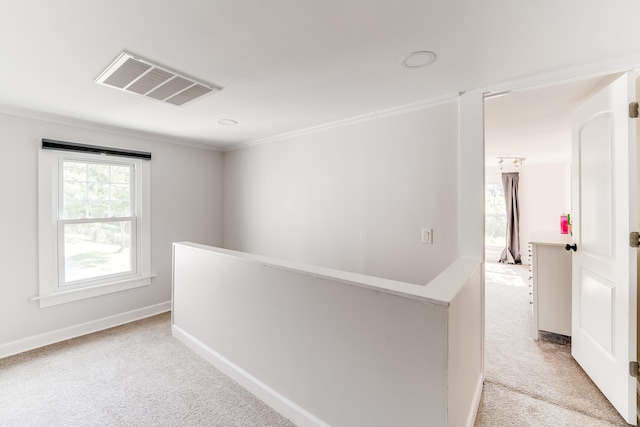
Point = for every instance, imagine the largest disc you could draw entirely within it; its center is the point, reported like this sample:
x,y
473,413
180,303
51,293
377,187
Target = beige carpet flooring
x,y
528,382
132,375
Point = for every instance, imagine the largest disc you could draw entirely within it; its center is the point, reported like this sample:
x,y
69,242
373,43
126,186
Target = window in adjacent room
x,y
495,216
94,225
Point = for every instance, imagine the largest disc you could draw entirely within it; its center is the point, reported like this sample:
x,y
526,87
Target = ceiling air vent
x,y
137,75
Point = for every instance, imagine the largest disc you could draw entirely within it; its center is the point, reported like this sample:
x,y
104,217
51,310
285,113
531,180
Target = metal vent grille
x,y
133,74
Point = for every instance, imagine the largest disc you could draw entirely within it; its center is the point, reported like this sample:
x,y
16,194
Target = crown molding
x,y
402,109
87,124
567,74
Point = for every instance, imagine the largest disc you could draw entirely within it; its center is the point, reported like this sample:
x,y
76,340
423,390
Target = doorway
x,y
533,124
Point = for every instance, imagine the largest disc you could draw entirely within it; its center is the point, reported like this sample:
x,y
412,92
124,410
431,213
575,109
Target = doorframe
x,y
472,141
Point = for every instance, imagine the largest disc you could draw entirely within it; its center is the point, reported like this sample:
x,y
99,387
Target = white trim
x,y
143,227
61,297
50,247
298,415
566,75
52,337
348,121
550,78
134,219
439,291
85,124
475,402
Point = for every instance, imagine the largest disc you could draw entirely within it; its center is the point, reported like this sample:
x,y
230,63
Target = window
x,y
495,216
96,221
94,225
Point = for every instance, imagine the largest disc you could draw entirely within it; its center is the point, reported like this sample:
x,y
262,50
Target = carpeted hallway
x,y
529,383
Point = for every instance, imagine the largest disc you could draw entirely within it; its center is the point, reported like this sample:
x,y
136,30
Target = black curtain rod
x,y
50,144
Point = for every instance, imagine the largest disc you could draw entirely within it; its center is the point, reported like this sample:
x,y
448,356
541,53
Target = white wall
x,y
186,199
471,165
353,197
326,347
545,194
546,190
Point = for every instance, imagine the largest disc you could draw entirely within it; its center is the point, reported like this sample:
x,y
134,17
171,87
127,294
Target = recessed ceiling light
x,y
418,59
227,122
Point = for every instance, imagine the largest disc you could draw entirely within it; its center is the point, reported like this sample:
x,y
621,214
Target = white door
x,y
604,266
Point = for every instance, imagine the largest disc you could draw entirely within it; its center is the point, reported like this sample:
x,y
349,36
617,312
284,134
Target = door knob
x,y
570,247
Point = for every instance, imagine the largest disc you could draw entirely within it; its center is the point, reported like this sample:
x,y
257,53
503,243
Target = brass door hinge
x,y
634,110
634,239
634,369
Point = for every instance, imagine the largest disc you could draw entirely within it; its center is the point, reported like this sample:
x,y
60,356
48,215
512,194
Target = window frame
x,y
51,289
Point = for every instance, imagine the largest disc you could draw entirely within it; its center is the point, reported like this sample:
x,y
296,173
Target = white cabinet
x,y
551,288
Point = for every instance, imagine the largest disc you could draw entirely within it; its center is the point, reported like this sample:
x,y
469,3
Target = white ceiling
x,y
287,65
536,123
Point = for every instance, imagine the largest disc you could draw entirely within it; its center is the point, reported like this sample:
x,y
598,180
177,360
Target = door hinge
x,y
634,239
634,110
634,369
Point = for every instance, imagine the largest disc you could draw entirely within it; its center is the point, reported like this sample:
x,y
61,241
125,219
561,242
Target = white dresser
x,y
551,284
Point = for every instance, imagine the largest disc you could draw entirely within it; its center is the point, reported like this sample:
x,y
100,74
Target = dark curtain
x,y
511,253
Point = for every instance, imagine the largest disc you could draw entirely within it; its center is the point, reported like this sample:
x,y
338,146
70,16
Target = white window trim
x,y
49,293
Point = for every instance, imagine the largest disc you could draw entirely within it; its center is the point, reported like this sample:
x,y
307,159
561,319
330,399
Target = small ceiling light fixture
x,y
227,122
418,59
517,161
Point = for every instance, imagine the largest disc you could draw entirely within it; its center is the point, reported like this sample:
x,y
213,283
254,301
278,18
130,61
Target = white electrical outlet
x,y
427,235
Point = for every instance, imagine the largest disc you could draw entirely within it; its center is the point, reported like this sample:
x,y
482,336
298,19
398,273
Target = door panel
x,y
596,309
604,266
596,192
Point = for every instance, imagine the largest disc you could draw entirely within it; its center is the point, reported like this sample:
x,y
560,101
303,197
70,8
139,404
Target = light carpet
x,y
528,382
132,375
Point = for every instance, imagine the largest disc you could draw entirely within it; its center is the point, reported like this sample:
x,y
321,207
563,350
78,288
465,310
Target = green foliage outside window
x,y
495,215
92,190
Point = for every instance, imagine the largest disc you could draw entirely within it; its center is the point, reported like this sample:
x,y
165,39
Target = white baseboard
x,y
36,341
298,415
475,403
